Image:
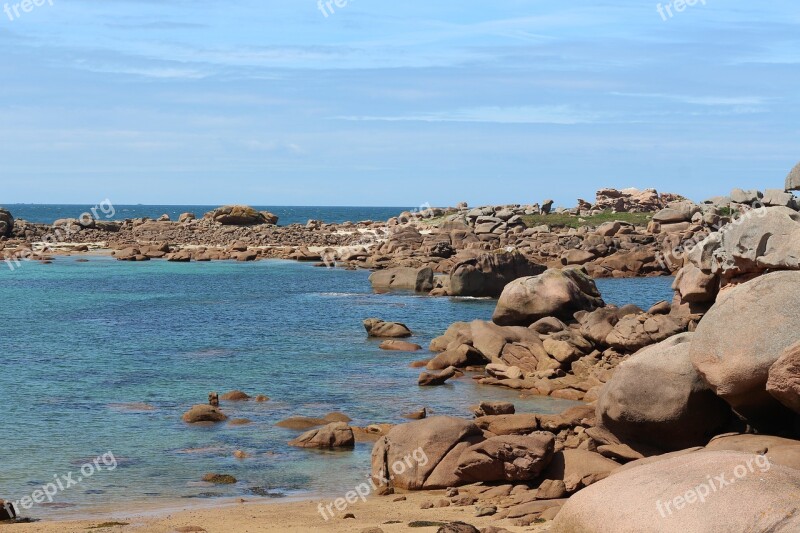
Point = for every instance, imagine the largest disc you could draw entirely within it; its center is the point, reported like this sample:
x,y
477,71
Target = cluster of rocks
x,y
631,200
670,408
552,334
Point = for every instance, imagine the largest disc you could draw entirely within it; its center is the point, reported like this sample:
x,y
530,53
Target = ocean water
x,y
47,214
81,339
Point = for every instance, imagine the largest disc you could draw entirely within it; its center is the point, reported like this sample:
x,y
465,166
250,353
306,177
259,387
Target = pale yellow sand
x,y
294,517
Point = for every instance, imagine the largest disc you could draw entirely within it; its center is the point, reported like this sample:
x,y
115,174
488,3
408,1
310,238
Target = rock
x,y
336,435
488,274
6,223
403,278
507,458
779,451
677,212
493,408
457,527
740,196
695,285
634,332
186,217
579,468
548,325
778,198
219,479
416,415
235,396
676,495
793,179
486,510
399,346
657,398
742,336
203,413
236,215
433,446
304,422
551,489
7,511
516,424
464,355
269,218
783,381
608,229
556,293
379,328
431,380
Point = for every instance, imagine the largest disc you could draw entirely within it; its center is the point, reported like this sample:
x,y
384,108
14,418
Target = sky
x,y
409,103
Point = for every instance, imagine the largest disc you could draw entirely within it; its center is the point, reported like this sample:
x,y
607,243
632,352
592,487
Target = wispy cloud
x,y
562,114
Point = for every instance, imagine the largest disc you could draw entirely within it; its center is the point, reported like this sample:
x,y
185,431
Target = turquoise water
x,y
80,338
47,214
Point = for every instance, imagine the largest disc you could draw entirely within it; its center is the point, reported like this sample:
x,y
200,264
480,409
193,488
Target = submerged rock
x,y
336,435
203,413
378,328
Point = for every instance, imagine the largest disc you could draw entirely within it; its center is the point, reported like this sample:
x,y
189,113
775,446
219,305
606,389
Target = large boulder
x,y
423,454
6,223
657,398
742,336
236,215
558,293
784,378
677,212
488,274
381,329
793,179
336,435
507,458
403,278
684,494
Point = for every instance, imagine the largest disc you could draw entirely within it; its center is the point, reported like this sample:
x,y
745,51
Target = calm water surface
x,y
80,339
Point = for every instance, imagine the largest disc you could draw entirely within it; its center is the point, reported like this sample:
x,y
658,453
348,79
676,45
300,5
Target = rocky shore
x,y
690,410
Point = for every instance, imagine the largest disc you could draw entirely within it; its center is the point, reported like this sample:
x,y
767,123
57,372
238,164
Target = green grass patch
x,y
565,220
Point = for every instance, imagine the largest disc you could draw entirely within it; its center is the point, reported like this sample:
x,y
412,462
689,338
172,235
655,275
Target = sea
x,y
106,210
101,358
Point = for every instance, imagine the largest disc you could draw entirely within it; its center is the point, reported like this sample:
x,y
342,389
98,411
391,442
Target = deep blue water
x,y
80,338
47,214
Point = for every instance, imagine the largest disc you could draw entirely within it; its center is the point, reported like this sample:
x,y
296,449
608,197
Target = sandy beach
x,y
296,517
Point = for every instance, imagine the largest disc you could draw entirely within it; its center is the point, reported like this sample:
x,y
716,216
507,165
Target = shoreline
x,y
297,516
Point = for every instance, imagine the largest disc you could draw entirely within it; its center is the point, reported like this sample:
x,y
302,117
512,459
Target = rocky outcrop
x,y
403,278
381,329
336,435
676,495
632,200
236,215
742,336
657,398
784,378
762,240
555,293
488,274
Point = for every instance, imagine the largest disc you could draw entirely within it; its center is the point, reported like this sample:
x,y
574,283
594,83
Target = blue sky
x,y
393,103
